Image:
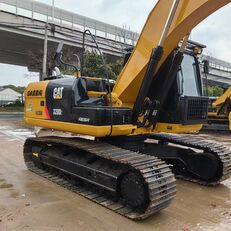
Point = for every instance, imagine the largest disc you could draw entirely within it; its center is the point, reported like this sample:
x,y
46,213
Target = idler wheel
x,y
134,191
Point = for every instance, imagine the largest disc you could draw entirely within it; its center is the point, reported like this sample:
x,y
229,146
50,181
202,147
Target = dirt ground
x,y
29,202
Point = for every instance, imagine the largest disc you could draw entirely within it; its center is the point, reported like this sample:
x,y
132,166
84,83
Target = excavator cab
x,y
188,77
184,103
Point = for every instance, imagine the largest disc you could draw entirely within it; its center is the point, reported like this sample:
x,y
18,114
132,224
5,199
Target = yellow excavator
x,y
116,149
219,114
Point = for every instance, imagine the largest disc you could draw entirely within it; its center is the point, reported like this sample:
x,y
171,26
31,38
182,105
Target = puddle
x,y
4,127
16,134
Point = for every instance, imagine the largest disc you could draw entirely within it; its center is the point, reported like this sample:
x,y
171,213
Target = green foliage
x,y
116,68
12,109
94,67
16,104
215,91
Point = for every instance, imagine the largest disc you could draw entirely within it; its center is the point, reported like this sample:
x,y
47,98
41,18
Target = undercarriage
x,y
191,157
129,175
131,184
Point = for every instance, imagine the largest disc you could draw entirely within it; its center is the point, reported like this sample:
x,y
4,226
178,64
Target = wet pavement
x,y
11,116
29,202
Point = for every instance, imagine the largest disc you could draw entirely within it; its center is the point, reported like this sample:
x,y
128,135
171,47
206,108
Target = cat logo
x,y
58,93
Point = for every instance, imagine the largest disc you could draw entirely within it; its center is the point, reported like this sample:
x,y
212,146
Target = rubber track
x,y
161,184
219,150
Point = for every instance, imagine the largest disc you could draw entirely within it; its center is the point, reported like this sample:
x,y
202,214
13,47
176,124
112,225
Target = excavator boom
x,y
189,13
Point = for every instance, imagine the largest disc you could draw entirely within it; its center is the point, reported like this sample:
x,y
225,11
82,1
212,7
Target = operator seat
x,y
84,85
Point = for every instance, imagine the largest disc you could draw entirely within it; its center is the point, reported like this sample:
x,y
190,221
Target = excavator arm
x,y
188,14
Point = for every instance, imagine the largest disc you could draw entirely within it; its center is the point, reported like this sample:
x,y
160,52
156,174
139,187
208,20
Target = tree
x,y
93,63
93,66
36,59
215,91
116,68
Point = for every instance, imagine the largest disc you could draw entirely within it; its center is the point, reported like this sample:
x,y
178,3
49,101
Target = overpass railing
x,y
43,12
217,63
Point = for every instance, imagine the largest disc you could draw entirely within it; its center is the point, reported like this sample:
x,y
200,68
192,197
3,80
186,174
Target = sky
x,y
214,31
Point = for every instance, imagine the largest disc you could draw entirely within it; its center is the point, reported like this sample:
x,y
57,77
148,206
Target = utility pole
x,y
44,71
53,11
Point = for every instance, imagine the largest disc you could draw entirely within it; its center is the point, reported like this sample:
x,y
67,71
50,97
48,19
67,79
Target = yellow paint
x,y
97,131
96,93
33,106
177,128
212,114
35,154
114,99
118,130
222,99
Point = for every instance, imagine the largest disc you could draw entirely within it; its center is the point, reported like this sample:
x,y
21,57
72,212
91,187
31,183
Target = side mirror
x,y
59,50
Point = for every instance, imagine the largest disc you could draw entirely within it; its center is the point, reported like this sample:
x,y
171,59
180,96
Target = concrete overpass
x,y
22,29
219,72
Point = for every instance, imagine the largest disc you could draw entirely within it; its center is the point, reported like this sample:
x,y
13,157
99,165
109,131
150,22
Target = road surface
x,y
31,203
11,115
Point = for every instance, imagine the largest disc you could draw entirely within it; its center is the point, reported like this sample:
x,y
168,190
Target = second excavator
x,y
219,116
125,162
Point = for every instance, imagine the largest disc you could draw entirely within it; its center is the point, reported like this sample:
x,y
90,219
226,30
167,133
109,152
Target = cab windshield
x,y
189,82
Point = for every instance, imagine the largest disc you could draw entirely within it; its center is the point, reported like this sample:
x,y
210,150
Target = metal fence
x,y
43,12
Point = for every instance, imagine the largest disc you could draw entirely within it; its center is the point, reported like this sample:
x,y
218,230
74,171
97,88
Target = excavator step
x,y
156,173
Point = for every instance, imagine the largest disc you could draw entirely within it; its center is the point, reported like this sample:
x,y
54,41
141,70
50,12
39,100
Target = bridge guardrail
x,y
43,12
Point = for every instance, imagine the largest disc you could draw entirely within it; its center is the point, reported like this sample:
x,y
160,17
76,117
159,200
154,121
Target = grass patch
x,y
12,109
